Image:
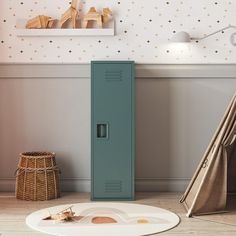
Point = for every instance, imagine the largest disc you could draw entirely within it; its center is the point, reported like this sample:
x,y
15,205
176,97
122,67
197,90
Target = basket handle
x,y
28,169
16,173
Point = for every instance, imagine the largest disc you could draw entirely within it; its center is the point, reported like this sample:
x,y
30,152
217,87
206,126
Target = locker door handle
x,y
102,130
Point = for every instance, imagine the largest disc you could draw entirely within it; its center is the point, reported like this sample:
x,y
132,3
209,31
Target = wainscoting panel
x,y
47,107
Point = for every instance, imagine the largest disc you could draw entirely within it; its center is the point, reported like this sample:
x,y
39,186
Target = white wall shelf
x,y
57,32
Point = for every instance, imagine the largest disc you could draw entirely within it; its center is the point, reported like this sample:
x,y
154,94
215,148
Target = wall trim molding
x,y
161,184
83,184
23,70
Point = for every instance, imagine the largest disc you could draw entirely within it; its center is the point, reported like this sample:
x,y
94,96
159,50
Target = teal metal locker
x,y
112,89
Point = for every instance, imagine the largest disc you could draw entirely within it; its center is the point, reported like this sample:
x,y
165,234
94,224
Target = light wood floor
x,y
13,213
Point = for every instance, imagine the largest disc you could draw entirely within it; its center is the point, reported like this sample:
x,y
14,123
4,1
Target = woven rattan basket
x,y
37,177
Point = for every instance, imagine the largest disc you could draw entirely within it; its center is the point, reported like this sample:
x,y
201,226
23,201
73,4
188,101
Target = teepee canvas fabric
x,y
215,175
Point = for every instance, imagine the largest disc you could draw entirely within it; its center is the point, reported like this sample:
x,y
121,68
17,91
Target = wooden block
x,y
93,15
70,14
105,16
40,22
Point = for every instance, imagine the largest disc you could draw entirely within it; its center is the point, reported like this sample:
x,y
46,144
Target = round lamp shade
x,y
181,37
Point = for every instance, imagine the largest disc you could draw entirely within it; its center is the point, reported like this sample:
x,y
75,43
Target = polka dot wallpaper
x,y
143,31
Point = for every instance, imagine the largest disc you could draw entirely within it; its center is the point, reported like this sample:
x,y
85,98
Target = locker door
x,y
112,130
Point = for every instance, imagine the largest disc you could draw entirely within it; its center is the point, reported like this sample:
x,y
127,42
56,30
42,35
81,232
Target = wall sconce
x,y
184,37
181,37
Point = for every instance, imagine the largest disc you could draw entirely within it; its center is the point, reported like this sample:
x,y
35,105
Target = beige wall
x,y
175,120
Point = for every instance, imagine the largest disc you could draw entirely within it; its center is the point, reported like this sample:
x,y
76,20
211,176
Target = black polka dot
x,y
125,31
21,51
118,51
70,51
216,51
167,51
4,20
118,2
150,20
99,41
121,21
2,41
21,3
148,41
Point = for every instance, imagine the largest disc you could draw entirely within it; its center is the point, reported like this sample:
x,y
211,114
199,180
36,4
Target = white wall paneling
x,y
47,107
143,29
44,70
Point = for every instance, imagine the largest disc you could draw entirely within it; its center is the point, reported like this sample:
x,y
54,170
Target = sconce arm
x,y
216,32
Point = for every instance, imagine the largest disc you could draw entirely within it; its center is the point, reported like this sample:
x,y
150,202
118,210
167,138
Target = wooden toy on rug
x,y
65,215
40,22
68,215
71,14
93,15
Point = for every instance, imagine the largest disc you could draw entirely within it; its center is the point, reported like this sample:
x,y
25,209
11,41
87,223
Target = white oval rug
x,y
106,219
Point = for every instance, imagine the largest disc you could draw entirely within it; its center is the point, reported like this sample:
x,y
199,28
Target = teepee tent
x,y
215,176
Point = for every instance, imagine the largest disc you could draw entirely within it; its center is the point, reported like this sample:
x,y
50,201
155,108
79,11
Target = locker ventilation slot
x,y
113,75
113,186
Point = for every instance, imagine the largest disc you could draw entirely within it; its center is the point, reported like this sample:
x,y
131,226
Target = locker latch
x,y
102,130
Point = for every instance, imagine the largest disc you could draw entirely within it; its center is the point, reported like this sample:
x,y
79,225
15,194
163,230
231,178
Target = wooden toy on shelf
x,y
93,15
40,22
106,15
71,14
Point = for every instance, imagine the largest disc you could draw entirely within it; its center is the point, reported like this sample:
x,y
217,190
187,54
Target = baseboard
x,y
83,185
7,184
161,184
66,185
75,185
